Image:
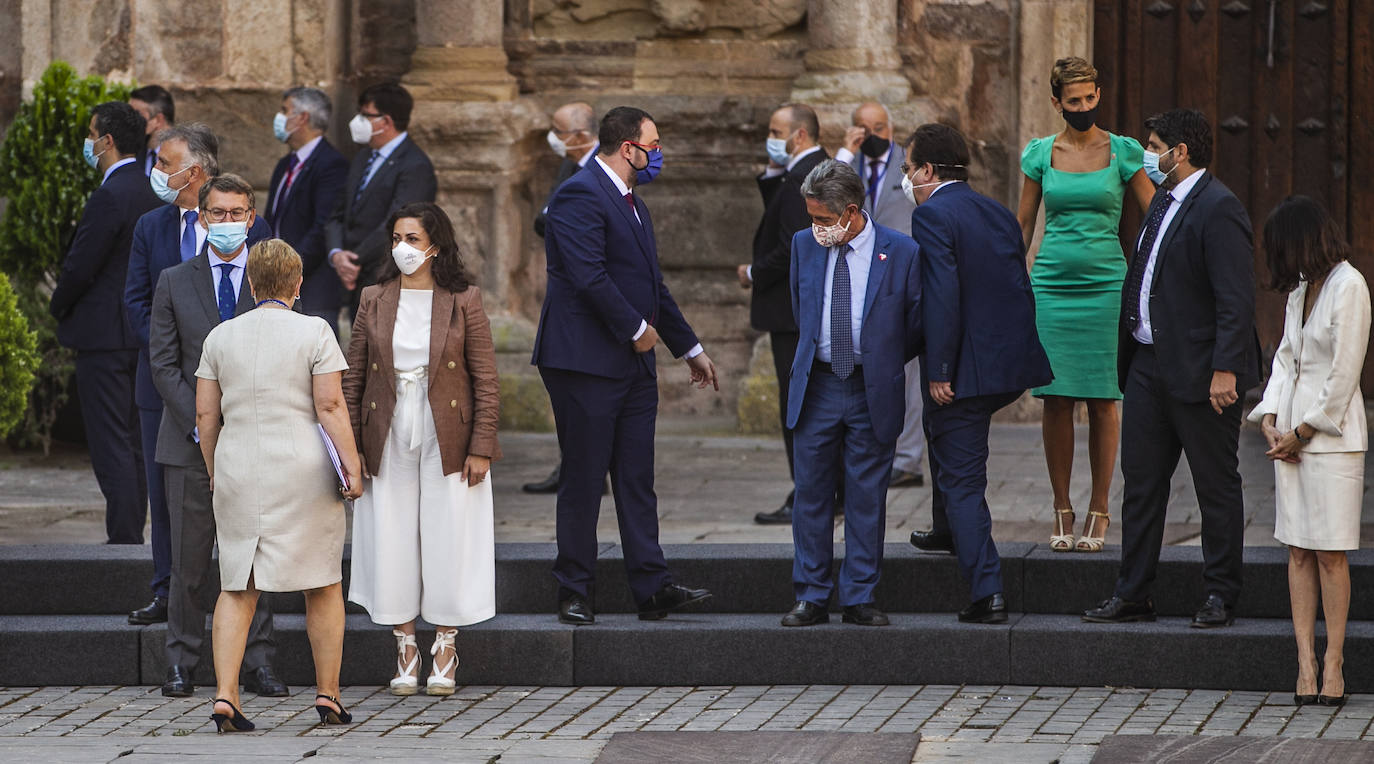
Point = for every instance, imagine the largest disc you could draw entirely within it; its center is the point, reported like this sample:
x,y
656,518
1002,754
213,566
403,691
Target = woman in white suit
x,y
1314,419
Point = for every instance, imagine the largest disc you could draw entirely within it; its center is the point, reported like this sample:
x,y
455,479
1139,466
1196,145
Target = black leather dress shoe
x,y
780,516
806,614
1117,610
575,611
1213,614
904,479
153,612
669,598
178,683
547,485
933,541
990,609
864,615
262,681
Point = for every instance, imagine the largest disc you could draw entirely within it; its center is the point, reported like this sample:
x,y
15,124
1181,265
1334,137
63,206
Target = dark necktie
x,y
367,171
1135,277
291,163
227,300
873,179
188,236
841,341
630,200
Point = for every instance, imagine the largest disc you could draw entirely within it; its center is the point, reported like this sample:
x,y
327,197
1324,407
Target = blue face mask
x,y
228,236
88,153
159,180
1151,162
279,127
777,150
648,172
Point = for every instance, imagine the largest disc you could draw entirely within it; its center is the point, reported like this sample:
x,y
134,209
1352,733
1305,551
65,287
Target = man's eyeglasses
x,y
237,215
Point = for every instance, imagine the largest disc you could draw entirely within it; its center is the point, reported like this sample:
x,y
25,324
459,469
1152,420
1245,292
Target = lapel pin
x,y
882,256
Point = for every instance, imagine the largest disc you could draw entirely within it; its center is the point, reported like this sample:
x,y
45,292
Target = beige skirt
x,y
1318,501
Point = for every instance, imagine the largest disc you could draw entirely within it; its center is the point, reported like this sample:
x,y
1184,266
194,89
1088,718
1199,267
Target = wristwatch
x,y
1299,436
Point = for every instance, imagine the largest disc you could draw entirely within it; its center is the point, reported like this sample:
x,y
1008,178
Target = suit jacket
x,y
1202,299
464,390
889,337
894,211
603,280
185,309
784,214
1329,349
566,169
157,247
88,302
300,218
360,226
979,313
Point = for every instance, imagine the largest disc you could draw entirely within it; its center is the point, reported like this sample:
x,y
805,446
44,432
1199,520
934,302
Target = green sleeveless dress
x,y
1080,267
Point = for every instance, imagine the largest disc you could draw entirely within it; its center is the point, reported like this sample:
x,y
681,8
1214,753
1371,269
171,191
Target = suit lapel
x,y
877,269
813,276
618,202
204,284
388,166
440,317
387,303
1180,216
287,193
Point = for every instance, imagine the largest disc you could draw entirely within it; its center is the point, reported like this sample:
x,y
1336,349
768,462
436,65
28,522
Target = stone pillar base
x,y
850,87
460,74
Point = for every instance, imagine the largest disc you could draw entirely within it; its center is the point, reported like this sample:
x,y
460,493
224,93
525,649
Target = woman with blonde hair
x,y
1082,174
273,378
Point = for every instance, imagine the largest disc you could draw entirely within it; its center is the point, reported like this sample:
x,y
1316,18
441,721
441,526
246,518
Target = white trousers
x,y
422,541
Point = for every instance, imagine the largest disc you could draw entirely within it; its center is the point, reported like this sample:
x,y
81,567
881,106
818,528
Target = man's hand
x,y
942,393
1223,392
743,273
345,263
703,372
647,340
853,137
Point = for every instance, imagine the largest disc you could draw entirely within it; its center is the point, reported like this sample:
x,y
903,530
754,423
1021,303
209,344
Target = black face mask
x,y
874,147
1082,121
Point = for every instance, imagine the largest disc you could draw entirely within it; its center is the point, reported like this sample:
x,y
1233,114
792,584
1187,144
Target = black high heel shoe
x,y
1332,700
236,723
329,715
1304,700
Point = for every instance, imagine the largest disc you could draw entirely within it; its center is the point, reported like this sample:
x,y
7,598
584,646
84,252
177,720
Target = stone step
x,y
725,649
745,578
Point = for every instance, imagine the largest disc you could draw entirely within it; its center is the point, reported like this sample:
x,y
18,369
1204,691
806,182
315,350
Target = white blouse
x,y
410,340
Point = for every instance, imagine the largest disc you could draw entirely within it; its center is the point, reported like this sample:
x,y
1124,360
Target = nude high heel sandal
x,y
1088,543
1062,542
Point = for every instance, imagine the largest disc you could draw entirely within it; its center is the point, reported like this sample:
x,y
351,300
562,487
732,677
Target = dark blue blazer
x,y
157,247
979,312
891,331
603,280
88,301
300,222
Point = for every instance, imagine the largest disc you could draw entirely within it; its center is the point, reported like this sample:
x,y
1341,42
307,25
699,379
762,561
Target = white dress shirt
x,y
859,260
623,189
116,166
1144,332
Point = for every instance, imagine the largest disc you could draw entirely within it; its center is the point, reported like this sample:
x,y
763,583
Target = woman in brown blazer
x,y
424,398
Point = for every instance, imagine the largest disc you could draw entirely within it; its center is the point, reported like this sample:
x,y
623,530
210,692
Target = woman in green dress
x,y
1082,174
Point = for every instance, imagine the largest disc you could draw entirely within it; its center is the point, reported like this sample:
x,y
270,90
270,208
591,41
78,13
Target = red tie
x,y
630,200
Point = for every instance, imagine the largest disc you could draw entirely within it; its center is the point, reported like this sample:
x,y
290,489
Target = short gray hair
x,y
202,147
312,101
834,184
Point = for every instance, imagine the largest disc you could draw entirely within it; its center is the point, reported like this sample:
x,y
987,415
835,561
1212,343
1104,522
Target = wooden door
x,y
1287,86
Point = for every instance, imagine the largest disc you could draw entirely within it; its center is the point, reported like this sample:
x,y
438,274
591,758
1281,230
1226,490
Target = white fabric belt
x,y
412,392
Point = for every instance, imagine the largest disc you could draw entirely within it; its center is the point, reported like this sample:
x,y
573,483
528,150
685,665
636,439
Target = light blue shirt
x,y
859,261
239,262
116,166
382,154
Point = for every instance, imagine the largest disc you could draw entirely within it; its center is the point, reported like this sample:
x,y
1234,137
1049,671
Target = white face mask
x,y
829,235
408,259
909,188
559,147
360,128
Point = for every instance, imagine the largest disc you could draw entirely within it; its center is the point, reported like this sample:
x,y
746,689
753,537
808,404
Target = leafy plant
x,y
46,183
19,361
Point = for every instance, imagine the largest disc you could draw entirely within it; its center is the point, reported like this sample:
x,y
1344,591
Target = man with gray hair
x,y
856,298
305,188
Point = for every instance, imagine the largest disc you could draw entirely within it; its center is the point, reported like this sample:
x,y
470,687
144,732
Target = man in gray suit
x,y
191,299
390,172
869,149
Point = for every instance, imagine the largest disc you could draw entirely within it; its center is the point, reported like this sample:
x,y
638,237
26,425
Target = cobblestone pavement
x,y
1024,725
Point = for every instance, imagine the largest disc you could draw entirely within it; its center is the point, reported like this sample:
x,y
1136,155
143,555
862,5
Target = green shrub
x,y
46,183
19,360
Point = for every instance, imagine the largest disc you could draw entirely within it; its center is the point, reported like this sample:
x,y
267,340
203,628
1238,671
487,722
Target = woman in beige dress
x,y
1314,419
270,376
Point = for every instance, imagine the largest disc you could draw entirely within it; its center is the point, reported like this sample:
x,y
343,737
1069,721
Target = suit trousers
x,y
957,440
190,596
105,385
606,424
1155,429
911,444
784,350
835,445
150,420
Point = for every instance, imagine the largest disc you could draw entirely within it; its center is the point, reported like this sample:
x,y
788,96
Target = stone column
x,y
852,53
460,55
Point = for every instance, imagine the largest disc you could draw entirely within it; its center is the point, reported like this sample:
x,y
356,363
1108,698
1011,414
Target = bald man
x,y
869,149
573,137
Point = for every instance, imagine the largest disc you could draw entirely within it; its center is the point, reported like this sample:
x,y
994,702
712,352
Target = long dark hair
x,y
1302,242
448,269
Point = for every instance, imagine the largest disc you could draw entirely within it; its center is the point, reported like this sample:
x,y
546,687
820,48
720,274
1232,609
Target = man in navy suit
x,y
856,299
90,314
305,189
605,309
982,349
187,157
